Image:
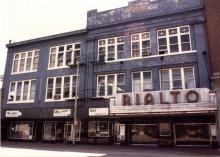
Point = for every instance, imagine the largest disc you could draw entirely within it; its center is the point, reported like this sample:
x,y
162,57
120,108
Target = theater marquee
x,y
163,101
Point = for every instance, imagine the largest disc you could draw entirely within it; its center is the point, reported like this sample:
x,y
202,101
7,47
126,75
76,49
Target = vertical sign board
x,y
122,132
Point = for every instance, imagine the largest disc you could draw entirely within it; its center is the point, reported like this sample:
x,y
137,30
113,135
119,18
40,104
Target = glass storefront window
x,y
49,131
142,134
193,133
98,129
21,130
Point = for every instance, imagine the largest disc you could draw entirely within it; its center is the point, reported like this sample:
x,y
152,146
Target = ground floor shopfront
x,y
156,130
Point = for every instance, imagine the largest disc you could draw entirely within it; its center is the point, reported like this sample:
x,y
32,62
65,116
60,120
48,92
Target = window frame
x,y
25,62
65,51
62,88
139,41
141,81
183,79
106,84
178,35
106,45
28,100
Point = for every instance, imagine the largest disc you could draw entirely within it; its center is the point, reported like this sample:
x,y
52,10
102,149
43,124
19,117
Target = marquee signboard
x,y
163,101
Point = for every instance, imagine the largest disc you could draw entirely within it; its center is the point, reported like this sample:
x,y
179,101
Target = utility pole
x,y
75,103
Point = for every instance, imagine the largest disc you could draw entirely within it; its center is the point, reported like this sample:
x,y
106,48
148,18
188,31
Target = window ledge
x,y
20,102
57,68
153,56
23,72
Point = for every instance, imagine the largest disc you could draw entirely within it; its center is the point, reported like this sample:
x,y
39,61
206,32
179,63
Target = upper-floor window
x,y
178,78
61,56
174,40
140,45
25,61
61,88
108,85
111,49
141,81
22,91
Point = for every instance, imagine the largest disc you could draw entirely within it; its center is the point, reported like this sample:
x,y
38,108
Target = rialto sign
x,y
160,101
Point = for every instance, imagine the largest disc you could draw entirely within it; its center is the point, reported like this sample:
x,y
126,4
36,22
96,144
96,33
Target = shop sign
x,y
98,112
13,114
163,97
61,112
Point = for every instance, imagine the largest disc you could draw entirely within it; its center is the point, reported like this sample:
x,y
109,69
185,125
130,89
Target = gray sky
x,y
27,19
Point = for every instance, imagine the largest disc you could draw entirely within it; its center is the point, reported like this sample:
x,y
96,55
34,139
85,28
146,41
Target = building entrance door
x,y
117,133
68,132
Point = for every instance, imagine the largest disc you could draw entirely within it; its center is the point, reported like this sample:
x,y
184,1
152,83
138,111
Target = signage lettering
x,y
126,100
148,99
13,114
191,96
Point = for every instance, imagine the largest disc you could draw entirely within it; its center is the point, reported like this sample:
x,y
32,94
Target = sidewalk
x,y
23,149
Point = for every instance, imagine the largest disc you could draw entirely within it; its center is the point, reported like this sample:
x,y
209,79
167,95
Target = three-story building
x,y
143,79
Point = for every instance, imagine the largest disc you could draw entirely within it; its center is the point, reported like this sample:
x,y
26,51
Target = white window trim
x,y
64,57
182,77
140,43
62,88
106,85
22,89
106,48
142,80
178,35
19,59
155,56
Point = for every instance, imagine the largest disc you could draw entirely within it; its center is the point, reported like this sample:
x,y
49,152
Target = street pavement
x,y
25,149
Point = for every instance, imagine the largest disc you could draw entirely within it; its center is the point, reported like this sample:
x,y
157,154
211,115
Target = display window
x,y
142,133
192,133
98,129
21,130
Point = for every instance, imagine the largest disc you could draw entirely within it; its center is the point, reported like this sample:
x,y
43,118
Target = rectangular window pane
x,y
60,59
32,90
136,82
174,44
25,90
15,67
11,96
35,63
111,53
147,80
18,94
28,64
135,49
177,79
57,95
52,60
22,62
66,93
50,88
101,53
74,86
189,78
165,80
101,85
120,83
111,84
